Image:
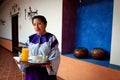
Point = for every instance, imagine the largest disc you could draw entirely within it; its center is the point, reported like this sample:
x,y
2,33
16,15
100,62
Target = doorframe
x,y
15,34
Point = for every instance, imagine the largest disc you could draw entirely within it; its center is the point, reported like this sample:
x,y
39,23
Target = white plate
x,y
17,58
30,61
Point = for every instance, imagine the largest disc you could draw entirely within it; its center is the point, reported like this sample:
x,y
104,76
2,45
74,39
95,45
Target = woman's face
x,y
39,26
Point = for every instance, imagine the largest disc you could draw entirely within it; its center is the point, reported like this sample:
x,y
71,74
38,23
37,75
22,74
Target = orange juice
x,y
25,53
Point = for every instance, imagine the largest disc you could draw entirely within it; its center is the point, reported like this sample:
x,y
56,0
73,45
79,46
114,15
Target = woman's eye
x,y
39,23
34,24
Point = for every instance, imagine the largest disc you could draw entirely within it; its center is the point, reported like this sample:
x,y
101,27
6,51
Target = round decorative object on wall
x,y
98,53
80,52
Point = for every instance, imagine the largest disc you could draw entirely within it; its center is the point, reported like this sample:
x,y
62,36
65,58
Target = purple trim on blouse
x,y
34,38
54,43
41,39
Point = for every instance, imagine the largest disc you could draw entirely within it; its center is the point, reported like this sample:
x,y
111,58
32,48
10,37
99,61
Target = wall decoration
x,y
2,22
30,13
15,9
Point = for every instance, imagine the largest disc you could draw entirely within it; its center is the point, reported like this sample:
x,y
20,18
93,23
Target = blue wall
x,y
94,24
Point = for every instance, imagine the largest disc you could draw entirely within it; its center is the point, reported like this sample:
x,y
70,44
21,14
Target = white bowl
x,y
36,59
39,59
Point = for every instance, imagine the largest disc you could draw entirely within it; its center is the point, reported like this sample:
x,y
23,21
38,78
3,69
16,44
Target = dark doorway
x,y
68,25
14,33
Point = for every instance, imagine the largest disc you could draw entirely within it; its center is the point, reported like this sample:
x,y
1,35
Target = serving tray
x,y
30,63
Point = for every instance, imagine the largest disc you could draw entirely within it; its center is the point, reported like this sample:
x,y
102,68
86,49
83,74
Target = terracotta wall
x,y
6,43
73,69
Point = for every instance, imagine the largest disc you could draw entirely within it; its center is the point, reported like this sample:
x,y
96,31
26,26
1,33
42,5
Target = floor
x,y
8,67
10,71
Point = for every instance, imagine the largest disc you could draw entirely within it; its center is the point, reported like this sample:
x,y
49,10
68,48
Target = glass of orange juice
x,y
25,53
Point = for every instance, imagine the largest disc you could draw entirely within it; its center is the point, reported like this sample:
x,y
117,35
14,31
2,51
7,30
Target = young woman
x,y
45,44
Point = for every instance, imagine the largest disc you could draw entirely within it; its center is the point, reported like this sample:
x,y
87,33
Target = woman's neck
x,y
43,33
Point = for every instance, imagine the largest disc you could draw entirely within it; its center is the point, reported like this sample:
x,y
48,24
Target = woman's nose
x,y
37,26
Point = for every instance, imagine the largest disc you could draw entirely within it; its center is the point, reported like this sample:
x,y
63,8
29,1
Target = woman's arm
x,y
54,58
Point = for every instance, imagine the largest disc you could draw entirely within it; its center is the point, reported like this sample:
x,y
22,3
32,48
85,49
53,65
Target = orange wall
x,y
6,43
73,69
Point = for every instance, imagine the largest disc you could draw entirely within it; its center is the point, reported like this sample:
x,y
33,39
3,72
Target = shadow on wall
x,y
90,2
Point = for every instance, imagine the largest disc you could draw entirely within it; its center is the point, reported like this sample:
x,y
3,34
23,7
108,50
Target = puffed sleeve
x,y
54,57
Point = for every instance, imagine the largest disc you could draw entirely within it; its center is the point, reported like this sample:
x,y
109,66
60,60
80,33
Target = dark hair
x,y
42,18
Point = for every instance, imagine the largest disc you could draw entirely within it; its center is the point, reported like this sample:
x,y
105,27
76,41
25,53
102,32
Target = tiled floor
x,y
10,71
8,67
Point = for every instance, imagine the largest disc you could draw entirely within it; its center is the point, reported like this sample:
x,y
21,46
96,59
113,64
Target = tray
x,y
30,63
